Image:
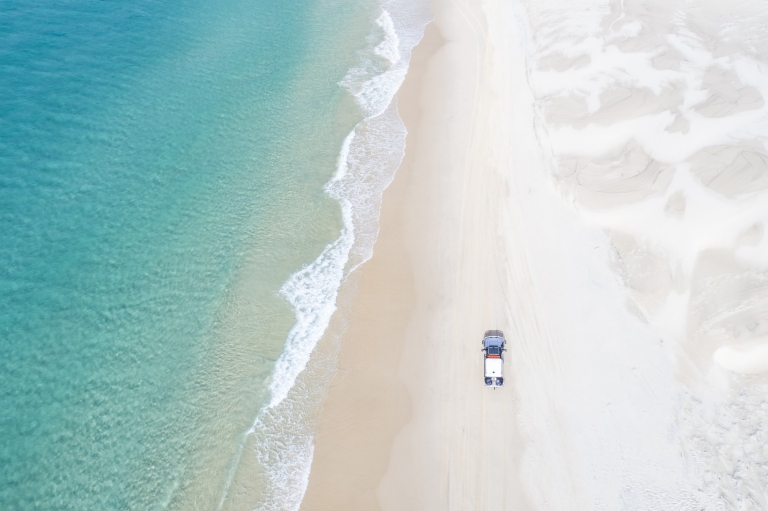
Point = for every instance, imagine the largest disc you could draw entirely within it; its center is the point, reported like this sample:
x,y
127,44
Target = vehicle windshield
x,y
493,350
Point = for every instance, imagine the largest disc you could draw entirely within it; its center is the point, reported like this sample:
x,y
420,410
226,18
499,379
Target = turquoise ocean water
x,y
183,188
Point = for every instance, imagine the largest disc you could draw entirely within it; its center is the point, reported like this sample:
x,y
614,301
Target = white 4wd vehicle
x,y
494,346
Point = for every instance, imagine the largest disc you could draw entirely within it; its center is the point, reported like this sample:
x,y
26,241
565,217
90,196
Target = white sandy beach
x,y
588,177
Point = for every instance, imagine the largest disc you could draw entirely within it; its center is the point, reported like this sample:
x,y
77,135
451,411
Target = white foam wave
x,y
284,447
368,159
312,292
342,166
381,71
389,47
374,156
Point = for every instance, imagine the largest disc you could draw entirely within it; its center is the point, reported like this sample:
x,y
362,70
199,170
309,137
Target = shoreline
x,y
393,415
366,386
321,293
